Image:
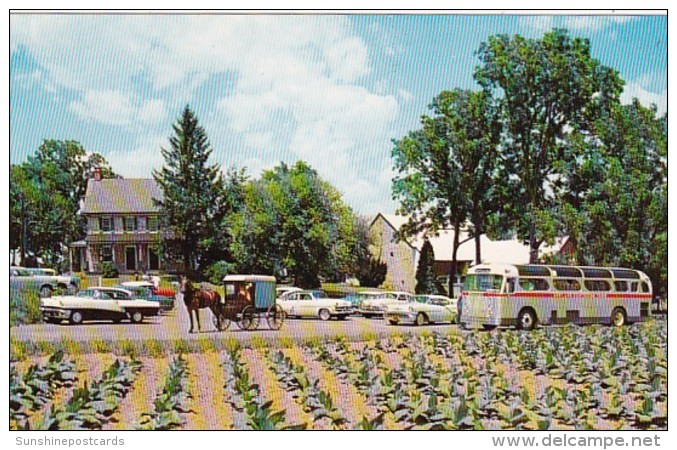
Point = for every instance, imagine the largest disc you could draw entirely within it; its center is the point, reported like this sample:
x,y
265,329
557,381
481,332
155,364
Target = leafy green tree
x,y
447,168
548,88
474,130
425,272
45,195
293,222
617,200
194,202
428,187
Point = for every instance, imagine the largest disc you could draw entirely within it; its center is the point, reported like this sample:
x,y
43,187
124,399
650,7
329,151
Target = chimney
x,y
97,173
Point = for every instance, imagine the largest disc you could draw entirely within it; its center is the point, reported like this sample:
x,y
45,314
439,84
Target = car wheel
x,y
324,314
392,322
421,319
45,292
53,320
117,320
136,316
76,318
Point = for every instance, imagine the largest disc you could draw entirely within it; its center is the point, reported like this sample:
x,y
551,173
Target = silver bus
x,y
524,296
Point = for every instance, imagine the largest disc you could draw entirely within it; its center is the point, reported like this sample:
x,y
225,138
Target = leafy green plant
x,y
170,402
90,407
33,389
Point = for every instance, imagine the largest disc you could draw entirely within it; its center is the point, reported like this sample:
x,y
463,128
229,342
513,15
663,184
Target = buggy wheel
x,y
275,317
225,323
250,319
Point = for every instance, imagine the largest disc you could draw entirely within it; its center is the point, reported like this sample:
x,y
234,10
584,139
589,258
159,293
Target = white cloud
x,y
117,108
645,97
593,23
139,161
575,23
295,86
152,111
405,95
106,107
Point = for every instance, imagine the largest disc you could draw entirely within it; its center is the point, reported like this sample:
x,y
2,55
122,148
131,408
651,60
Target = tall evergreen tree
x,y
425,272
194,203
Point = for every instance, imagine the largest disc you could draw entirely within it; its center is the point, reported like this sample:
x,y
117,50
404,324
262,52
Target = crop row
x,y
552,378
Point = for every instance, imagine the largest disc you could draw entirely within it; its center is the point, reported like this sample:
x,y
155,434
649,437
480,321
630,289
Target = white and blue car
x,y
97,303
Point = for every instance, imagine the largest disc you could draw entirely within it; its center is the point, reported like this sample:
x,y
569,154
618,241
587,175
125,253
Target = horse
x,y
196,299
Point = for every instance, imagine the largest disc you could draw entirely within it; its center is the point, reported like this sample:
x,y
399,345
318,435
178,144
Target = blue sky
x,y
332,90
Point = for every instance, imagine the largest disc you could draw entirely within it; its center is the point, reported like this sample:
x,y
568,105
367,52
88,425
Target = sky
x,y
333,90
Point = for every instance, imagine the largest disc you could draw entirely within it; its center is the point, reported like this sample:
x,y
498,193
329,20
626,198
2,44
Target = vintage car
x,y
314,303
147,291
283,291
46,281
433,309
376,304
97,303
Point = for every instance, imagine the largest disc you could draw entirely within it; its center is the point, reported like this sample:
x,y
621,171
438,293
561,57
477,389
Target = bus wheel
x,y
618,317
526,319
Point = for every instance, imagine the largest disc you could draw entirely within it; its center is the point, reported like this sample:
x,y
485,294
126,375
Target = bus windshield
x,y
483,282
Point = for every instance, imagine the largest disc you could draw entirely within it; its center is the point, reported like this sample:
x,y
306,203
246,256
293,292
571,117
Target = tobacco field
x,y
564,378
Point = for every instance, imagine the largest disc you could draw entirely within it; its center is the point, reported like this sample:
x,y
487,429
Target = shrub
x,y
371,272
217,271
24,306
109,270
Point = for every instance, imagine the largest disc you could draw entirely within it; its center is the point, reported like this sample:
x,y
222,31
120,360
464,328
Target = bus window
x,y
566,285
645,287
483,282
534,284
621,286
633,286
597,285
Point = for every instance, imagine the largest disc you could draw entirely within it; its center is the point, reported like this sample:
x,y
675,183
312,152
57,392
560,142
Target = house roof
x,y
121,195
509,251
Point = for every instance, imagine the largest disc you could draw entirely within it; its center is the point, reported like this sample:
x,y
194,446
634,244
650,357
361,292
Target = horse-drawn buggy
x,y
248,299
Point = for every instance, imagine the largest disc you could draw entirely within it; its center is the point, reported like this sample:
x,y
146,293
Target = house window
x,y
106,253
130,224
106,223
153,224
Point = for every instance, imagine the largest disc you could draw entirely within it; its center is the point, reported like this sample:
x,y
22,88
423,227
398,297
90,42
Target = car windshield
x,y
86,293
319,294
483,282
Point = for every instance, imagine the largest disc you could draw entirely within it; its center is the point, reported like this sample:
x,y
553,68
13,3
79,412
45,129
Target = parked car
x,y
98,303
147,291
282,291
376,303
314,303
433,309
46,281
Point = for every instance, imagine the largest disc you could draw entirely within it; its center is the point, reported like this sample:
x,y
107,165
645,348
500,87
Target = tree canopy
x,y
294,222
547,89
45,195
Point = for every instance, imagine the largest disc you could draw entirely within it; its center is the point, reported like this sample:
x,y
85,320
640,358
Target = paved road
x,y
176,326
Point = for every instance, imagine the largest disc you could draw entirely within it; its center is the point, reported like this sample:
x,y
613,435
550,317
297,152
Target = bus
x,y
524,296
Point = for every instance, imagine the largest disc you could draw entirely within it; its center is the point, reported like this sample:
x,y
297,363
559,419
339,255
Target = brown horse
x,y
196,300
